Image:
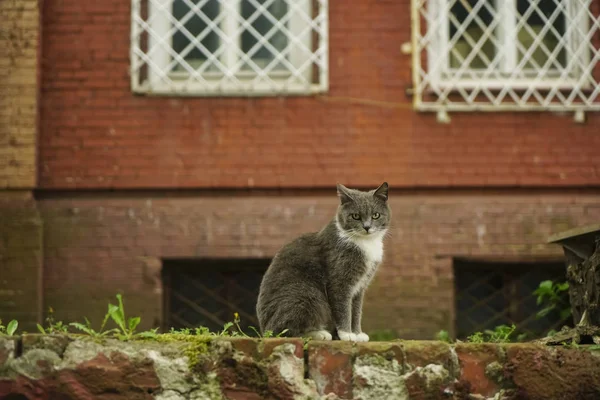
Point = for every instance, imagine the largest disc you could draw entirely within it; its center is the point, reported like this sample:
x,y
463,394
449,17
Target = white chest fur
x,y
371,246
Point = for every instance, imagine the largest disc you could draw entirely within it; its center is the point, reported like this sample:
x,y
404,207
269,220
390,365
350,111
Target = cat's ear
x,y
343,193
382,191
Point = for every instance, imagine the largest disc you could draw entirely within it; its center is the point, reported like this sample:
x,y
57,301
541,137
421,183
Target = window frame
x,y
443,77
254,82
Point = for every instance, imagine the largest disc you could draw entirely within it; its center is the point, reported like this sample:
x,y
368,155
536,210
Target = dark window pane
x,y
194,25
537,15
468,36
489,294
263,26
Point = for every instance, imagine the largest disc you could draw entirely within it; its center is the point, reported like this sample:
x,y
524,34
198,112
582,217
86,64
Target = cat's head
x,y
361,213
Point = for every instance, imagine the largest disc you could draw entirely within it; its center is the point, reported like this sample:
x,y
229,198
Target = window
x,y
507,54
489,294
207,292
229,47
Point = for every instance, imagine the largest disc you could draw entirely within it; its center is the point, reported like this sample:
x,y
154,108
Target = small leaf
x,y
41,329
561,287
83,328
106,318
201,331
133,323
226,327
12,326
540,299
116,315
283,332
112,309
546,286
108,332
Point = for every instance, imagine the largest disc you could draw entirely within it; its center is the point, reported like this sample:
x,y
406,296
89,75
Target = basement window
x,y
489,294
207,292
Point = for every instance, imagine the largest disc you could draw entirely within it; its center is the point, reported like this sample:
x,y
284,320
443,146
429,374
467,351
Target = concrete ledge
x,y
73,367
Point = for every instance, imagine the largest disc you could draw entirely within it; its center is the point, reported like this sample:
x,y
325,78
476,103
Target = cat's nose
x,y
367,227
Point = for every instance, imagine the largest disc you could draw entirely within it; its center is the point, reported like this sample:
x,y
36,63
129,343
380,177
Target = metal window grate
x,y
496,55
492,294
208,292
229,47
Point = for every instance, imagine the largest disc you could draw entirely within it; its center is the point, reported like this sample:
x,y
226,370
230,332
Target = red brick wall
x,y
96,134
96,246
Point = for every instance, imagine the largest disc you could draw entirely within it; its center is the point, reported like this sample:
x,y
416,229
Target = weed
x,y
552,294
87,328
477,337
52,326
500,334
443,336
10,329
126,325
265,335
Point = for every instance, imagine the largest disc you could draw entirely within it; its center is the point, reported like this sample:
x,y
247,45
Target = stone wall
x,y
60,367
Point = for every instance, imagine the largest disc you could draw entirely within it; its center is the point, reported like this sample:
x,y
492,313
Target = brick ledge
x,y
47,367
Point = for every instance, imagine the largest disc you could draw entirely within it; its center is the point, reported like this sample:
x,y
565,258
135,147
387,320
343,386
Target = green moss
x,y
196,347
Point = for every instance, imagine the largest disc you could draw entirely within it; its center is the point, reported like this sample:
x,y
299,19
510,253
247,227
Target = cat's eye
x,y
355,216
375,215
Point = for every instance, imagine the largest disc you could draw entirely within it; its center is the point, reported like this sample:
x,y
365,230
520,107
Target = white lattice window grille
x,y
229,47
494,55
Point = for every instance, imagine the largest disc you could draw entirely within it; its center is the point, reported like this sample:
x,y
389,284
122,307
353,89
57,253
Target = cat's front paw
x,y
347,336
362,337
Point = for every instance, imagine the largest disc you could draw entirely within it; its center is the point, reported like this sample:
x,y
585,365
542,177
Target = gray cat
x,y
315,284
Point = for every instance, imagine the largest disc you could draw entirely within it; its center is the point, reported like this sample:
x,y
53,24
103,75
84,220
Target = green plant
x,y
10,329
126,325
443,336
500,334
552,295
238,331
52,326
87,327
477,337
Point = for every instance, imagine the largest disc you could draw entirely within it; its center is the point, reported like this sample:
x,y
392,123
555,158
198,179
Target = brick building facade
x,y
126,182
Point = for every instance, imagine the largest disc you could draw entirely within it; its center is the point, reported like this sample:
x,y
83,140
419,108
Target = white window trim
x,y
243,83
446,78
